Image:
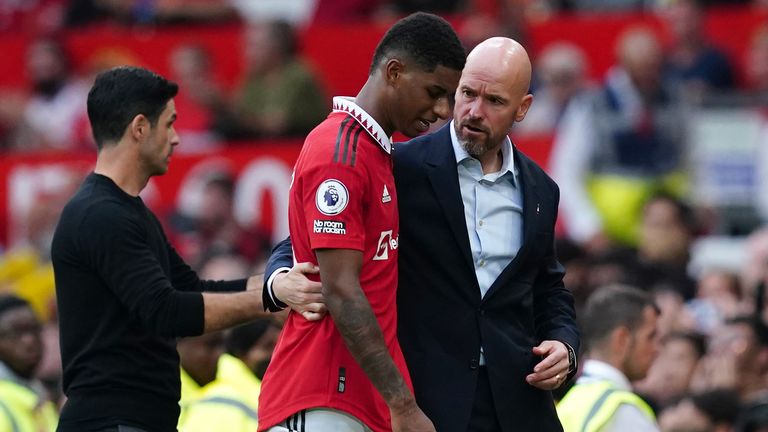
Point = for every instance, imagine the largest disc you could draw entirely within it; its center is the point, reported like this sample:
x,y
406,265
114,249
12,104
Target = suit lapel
x,y
531,209
444,177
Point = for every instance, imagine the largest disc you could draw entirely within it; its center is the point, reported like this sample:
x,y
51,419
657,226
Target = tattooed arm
x,y
347,304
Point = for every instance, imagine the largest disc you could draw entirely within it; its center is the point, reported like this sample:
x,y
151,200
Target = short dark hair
x,y
283,34
242,338
697,340
11,301
611,307
720,405
685,213
425,38
755,323
122,93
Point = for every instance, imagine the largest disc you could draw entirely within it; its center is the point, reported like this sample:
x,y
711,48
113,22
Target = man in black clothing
x,y
123,292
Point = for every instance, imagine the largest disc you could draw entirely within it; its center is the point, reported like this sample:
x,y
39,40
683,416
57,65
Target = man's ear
x,y
393,69
621,339
524,106
139,127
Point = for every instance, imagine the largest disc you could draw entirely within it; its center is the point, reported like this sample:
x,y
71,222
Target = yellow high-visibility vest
x,y
588,407
22,410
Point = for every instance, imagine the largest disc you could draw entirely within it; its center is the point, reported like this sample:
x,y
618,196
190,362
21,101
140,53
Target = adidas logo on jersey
x,y
385,198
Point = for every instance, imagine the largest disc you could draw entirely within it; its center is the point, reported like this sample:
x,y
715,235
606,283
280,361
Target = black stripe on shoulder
x,y
354,147
338,137
346,141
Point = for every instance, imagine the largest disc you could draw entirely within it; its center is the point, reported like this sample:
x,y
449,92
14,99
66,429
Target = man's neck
x,y
492,160
370,99
121,168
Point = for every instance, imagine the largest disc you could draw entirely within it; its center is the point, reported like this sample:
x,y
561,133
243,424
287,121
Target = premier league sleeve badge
x,y
331,197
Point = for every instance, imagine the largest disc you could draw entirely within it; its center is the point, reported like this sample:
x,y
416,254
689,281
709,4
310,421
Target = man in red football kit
x,y
346,372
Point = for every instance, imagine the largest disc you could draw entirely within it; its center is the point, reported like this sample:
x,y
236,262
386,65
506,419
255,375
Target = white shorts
x,y
320,420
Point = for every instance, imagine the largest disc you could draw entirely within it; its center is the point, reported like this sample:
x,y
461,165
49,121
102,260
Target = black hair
x,y
242,338
10,301
753,416
685,213
755,323
122,93
697,340
283,34
425,38
720,405
611,307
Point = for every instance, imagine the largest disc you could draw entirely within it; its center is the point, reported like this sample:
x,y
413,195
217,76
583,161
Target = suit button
x,y
481,311
473,364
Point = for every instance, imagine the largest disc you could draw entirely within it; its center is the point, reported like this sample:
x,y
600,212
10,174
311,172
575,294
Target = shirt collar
x,y
598,370
507,153
348,105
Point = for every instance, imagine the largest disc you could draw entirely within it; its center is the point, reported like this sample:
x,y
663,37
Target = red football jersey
x,y
342,197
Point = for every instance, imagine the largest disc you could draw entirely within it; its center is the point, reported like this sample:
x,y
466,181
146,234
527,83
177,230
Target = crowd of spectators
x,y
622,154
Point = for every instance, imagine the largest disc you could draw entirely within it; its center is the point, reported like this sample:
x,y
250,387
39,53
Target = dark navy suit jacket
x,y
442,320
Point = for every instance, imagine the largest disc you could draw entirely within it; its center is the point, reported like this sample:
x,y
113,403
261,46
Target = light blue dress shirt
x,y
493,210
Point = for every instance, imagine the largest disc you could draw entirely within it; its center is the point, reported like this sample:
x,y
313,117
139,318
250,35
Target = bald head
x,y
492,96
505,60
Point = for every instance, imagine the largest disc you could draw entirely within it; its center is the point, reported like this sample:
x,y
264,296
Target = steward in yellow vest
x,y
592,406
619,326
24,404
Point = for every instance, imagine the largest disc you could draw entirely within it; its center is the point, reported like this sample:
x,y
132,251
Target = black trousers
x,y
483,418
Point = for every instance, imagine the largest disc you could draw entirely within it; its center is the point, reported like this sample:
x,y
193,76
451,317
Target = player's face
x,y
423,98
156,151
488,103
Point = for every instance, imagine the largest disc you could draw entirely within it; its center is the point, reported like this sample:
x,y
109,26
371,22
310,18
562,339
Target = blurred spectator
x,y
84,12
757,62
214,229
754,417
198,357
737,359
297,12
711,411
674,316
198,98
478,27
561,86
440,7
670,375
54,115
754,274
24,404
718,297
280,95
230,400
591,6
609,159
32,16
619,329
666,233
577,269
344,11
692,60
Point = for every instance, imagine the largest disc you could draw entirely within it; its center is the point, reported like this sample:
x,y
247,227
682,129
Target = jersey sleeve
x,y
332,196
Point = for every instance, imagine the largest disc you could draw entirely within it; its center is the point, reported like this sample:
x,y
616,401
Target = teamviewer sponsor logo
x,y
329,227
386,242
